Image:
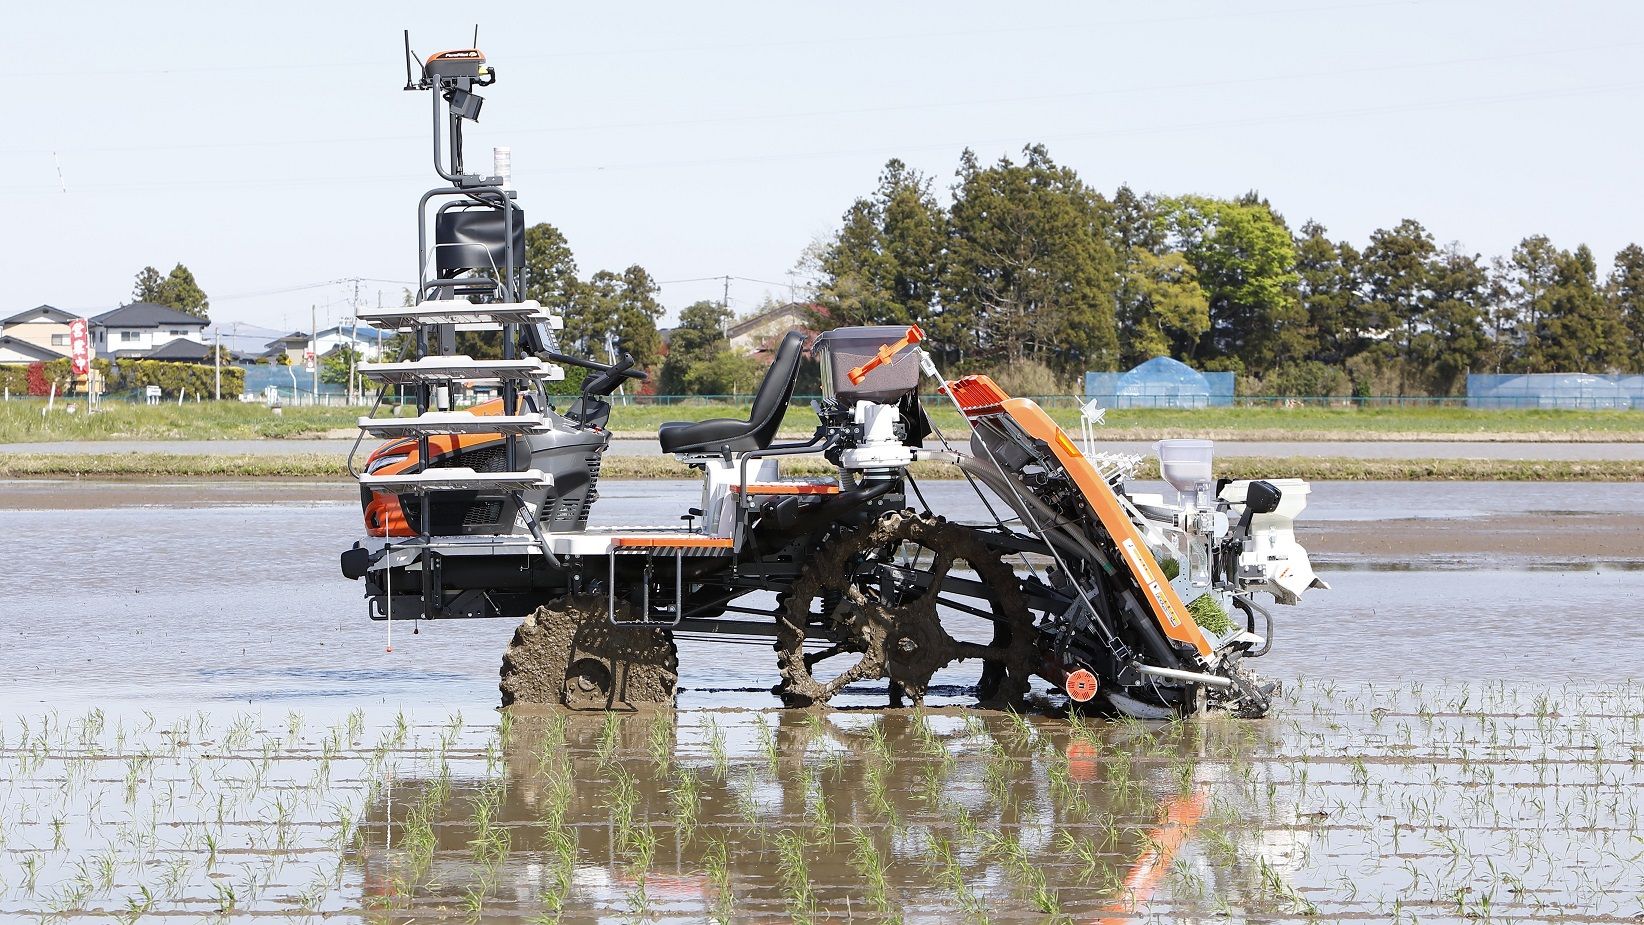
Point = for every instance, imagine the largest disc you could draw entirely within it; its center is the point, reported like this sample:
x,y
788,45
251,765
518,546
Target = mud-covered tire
x,y
568,653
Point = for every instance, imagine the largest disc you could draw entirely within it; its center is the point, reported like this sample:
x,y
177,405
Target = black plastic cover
x,y
472,239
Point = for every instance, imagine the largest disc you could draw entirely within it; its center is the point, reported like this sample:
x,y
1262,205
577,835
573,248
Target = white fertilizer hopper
x,y
1185,464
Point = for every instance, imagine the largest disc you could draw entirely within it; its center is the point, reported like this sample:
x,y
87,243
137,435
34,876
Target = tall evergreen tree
x,y
1626,292
884,264
1524,280
146,288
613,313
550,267
1031,271
1577,329
1452,340
1398,286
177,289
1328,287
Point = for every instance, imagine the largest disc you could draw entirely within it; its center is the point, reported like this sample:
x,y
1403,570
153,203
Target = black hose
x,y
1250,607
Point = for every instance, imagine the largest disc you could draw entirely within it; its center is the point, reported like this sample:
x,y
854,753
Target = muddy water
x,y
197,721
203,593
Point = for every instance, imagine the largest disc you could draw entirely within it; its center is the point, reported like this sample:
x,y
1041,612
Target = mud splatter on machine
x,y
1122,601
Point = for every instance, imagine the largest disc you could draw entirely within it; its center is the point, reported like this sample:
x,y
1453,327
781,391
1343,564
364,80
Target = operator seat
x,y
770,403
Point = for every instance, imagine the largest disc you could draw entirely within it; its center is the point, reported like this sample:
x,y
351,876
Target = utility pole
x,y
314,347
725,303
353,339
217,358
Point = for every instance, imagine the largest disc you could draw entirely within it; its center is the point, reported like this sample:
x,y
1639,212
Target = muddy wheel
x,y
569,653
880,589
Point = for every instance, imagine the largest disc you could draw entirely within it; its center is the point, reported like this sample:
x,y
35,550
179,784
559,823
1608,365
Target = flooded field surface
x,y
1404,803
198,722
1440,448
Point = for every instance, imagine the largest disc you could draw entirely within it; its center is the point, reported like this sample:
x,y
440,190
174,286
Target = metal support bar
x,y
1176,674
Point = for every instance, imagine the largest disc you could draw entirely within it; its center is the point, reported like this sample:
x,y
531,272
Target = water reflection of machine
x,y
611,785
1119,600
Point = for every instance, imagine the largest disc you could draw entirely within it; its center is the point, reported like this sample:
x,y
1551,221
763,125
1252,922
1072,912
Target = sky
x,y
270,148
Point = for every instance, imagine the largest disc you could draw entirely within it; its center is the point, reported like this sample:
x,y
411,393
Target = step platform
x,y
456,478
464,314
438,423
461,368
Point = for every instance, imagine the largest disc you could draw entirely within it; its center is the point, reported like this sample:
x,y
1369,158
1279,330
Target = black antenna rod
x,y
476,36
408,84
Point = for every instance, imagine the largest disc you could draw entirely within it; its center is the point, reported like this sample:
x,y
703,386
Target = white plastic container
x,y
1185,464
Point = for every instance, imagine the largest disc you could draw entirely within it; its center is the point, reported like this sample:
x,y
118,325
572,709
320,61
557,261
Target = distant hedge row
x,y
120,375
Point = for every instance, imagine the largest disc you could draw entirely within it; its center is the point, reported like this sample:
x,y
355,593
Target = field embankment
x,y
21,421
328,466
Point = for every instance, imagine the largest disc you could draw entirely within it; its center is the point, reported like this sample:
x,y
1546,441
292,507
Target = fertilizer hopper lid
x,y
1186,464
843,349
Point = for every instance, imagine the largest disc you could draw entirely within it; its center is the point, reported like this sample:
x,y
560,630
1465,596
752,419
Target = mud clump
x,y
570,653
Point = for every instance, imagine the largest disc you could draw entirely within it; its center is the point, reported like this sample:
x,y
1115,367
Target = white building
x,y
135,330
369,342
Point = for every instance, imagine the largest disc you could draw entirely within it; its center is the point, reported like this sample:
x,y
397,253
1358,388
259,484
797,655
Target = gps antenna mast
x,y
409,57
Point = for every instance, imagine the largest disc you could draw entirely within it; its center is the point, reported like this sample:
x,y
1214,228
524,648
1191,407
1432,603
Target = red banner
x,y
79,346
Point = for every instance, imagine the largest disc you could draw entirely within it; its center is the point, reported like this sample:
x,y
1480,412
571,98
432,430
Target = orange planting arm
x,y
886,351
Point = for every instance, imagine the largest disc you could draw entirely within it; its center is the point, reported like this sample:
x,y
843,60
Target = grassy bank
x,y
322,466
22,422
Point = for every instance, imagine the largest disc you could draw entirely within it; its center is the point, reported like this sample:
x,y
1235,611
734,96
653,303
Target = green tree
x,y
1452,339
177,289
550,268
1136,221
1162,308
1328,288
1396,271
700,336
1577,328
1626,293
884,264
334,366
1524,280
615,312
724,372
147,286
1031,272
1246,262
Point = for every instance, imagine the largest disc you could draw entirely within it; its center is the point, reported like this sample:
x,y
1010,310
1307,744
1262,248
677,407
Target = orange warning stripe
x,y
790,488
674,542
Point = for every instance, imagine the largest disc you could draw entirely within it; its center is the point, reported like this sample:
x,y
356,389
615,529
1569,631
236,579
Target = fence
x,y
1556,390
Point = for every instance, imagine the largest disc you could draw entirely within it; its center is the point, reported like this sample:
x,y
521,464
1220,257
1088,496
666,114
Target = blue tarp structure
x,y
1555,390
1160,383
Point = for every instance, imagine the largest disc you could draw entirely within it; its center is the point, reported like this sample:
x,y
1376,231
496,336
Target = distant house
x,y
758,331
181,350
369,341
135,330
42,326
17,350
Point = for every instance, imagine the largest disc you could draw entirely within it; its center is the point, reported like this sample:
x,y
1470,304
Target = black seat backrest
x,y
771,401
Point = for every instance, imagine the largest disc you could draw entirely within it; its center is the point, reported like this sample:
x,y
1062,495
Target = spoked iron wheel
x,y
879,595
